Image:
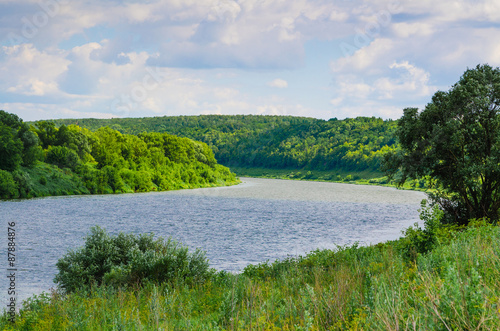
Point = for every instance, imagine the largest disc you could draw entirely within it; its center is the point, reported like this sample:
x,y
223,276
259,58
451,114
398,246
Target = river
x,y
258,220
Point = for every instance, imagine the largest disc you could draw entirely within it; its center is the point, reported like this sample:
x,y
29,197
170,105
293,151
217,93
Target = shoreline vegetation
x,y
277,143
356,178
43,160
282,147
440,278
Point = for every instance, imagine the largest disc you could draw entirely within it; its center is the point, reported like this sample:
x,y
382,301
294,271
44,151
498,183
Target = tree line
x,y
104,161
275,142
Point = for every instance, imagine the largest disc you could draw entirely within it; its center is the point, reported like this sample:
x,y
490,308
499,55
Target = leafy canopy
x,y
18,144
456,141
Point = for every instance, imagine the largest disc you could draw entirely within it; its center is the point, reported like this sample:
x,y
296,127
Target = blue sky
x,y
317,58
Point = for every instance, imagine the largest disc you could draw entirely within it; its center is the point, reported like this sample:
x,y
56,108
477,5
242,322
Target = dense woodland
x,y
276,142
42,159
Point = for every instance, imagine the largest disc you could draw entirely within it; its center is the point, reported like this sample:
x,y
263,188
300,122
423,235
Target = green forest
x,y
41,159
273,142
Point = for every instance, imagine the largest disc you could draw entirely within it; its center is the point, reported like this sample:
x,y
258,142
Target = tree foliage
x,y
127,259
11,148
18,144
456,141
105,161
272,141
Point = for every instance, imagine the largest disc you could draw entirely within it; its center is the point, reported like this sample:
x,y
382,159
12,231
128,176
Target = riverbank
x,y
47,180
42,160
394,285
367,177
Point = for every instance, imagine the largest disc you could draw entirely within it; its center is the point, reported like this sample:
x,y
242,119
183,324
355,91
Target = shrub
x,y
43,180
8,187
24,182
419,241
127,259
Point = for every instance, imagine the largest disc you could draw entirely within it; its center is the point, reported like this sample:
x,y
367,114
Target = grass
x,y
453,286
49,180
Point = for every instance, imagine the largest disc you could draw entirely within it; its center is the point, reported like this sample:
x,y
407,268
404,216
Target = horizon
x,y
306,58
160,116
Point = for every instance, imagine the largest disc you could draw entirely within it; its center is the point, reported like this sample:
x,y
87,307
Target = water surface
x,y
258,220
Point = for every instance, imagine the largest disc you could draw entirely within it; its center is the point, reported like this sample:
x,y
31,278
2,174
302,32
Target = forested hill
x,y
41,160
273,141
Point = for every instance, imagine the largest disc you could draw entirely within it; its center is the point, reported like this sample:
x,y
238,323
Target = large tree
x,y
456,141
18,144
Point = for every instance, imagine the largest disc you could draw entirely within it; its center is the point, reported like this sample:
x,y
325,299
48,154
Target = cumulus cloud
x,y
193,56
411,80
279,83
424,47
28,71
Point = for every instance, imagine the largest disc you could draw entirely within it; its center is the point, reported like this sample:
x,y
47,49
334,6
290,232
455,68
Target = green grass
x,y
325,175
454,286
49,180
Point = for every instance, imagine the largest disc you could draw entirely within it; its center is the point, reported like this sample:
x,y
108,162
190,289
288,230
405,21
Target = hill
x,y
273,142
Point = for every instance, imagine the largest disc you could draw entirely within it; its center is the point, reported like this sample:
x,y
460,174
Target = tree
x,y
456,141
11,148
20,145
63,157
47,132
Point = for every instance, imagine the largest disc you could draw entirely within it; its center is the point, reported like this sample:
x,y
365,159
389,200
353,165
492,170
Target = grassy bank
x,y
366,177
43,179
435,280
49,180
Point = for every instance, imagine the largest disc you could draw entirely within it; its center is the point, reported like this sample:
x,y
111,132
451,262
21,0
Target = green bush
x,y
419,241
8,187
43,180
24,182
127,259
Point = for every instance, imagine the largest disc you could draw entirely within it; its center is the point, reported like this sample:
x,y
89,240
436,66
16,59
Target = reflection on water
x,y
259,220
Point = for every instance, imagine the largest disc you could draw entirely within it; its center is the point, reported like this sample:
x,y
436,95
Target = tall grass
x,y
454,286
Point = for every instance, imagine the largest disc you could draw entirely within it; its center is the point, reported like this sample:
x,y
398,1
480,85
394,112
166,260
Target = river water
x,y
258,220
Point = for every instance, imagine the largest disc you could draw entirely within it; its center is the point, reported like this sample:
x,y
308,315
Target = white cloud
x,y
366,58
413,29
28,71
247,33
279,83
338,16
412,80
84,58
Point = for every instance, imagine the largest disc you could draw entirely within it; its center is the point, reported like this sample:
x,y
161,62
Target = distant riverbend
x,y
258,220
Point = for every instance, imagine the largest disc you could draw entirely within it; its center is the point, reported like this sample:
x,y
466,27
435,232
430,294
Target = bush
x,y
127,259
43,180
24,183
8,187
420,241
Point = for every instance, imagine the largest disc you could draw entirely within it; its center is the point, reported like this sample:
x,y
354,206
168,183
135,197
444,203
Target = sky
x,y
315,58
